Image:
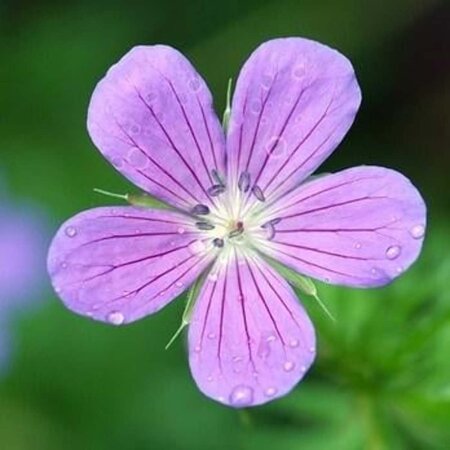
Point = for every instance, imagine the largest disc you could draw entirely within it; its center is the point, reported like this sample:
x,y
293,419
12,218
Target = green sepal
x,y
302,283
143,200
227,112
190,302
146,201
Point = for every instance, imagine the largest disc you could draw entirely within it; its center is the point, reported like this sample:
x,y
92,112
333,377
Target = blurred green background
x,y
382,378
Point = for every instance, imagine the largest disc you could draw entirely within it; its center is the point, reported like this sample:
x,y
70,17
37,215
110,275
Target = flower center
x,y
237,217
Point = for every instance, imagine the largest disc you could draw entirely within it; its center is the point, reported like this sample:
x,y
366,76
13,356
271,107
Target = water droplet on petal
x,y
197,247
178,284
393,252
293,343
137,158
312,349
213,277
181,230
115,318
358,245
64,265
71,231
288,366
211,336
241,396
210,379
194,84
303,369
270,392
197,349
417,231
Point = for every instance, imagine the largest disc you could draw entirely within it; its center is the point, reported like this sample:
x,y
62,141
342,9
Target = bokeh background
x,y
382,379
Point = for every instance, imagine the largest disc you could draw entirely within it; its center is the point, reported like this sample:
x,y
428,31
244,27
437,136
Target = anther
x,y
271,230
258,193
244,182
216,190
217,177
206,226
218,242
200,210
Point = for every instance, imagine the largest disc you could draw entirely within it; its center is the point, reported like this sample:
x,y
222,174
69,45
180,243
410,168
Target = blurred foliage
x,y
382,377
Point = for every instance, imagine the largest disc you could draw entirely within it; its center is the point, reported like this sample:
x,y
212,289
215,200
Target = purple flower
x,y
22,251
236,201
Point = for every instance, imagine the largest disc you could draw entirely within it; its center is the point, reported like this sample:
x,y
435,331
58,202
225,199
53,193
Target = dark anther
x,y
236,232
272,222
217,242
204,226
258,193
244,182
271,230
217,177
216,190
200,210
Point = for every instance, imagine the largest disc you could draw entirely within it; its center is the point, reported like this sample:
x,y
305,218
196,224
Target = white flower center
x,y
237,219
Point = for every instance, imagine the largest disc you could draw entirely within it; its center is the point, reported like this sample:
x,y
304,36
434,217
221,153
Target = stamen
x,y
235,233
270,228
200,210
205,226
244,182
217,177
217,242
275,221
258,193
216,190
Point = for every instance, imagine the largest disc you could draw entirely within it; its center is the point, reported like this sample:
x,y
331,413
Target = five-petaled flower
x,y
237,199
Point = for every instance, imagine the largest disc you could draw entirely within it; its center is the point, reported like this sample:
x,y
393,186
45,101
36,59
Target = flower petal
x,y
152,118
295,99
120,264
250,340
360,227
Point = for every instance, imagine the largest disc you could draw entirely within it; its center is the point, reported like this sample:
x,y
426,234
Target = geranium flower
x,y
22,250
237,202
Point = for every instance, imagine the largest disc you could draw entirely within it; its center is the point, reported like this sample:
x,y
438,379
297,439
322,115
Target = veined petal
x,y
120,264
294,101
250,340
152,117
360,227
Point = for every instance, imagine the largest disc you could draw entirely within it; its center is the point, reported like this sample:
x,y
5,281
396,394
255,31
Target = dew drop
x,y
417,231
115,318
358,245
135,129
197,247
270,392
288,366
241,396
303,369
181,230
194,84
117,162
213,277
211,336
293,343
393,252
210,379
197,349
137,158
71,232
64,265
179,284
312,349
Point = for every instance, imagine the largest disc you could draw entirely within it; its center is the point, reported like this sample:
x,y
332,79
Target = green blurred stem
x,y
375,439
